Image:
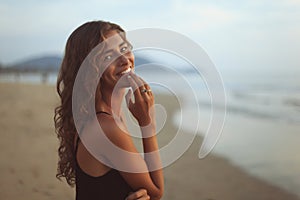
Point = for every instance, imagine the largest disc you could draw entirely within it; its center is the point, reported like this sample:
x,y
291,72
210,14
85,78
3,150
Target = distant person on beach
x,y
102,178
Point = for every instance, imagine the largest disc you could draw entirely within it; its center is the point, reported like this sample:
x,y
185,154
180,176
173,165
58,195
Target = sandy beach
x,y
28,152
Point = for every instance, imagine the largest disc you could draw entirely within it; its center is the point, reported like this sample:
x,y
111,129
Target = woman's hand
x,y
141,194
142,108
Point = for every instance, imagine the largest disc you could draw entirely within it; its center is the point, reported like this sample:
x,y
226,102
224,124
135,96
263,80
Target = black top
x,y
110,186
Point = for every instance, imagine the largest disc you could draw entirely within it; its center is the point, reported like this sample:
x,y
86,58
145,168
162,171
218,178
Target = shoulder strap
x,y
76,145
99,112
78,138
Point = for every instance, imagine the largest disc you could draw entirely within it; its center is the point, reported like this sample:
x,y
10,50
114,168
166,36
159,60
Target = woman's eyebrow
x,y
110,50
122,43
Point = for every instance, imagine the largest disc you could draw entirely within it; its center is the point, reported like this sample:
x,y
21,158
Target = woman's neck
x,y
112,100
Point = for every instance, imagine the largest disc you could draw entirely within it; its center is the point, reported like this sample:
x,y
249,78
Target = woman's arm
x,y
139,175
150,145
143,110
138,195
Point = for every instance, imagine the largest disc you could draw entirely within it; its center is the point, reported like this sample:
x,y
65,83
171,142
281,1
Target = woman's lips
x,y
125,71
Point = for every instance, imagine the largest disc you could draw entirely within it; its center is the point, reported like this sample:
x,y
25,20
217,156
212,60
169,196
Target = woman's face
x,y
117,60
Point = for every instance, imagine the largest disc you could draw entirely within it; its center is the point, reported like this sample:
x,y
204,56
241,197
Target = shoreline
x,y
216,170
273,159
29,155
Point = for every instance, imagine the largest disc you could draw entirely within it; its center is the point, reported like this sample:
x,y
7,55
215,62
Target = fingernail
x,y
128,76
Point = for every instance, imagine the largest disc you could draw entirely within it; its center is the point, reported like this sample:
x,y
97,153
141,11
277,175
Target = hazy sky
x,y
235,33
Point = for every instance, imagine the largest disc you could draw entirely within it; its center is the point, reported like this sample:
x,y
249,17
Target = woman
x,y
97,178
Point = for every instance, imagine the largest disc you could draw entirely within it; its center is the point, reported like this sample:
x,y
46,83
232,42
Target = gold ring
x,y
143,90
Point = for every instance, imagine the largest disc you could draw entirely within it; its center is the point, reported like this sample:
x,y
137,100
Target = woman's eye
x,y
124,49
108,57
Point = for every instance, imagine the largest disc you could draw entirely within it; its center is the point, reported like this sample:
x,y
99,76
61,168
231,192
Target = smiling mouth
x,y
125,72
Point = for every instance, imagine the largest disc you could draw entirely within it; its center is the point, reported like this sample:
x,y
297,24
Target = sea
x,y
261,133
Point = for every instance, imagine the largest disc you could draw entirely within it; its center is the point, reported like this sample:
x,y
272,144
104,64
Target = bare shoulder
x,y
107,123
115,132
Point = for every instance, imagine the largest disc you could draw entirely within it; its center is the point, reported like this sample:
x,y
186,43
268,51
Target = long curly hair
x,y
79,45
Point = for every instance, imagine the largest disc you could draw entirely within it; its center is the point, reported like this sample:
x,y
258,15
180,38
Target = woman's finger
x,y
147,197
144,82
141,88
141,193
138,80
128,98
135,87
144,87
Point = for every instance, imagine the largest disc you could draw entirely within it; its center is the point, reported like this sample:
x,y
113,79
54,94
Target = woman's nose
x,y
122,60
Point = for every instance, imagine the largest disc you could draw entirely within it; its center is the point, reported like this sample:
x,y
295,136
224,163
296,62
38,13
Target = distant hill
x,y
50,63
43,63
